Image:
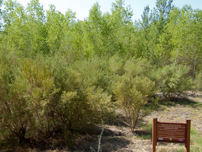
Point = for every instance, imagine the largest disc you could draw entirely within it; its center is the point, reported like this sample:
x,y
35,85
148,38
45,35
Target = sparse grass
x,y
171,149
147,128
149,136
180,150
196,140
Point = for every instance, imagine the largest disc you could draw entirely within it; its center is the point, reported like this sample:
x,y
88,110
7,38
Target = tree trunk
x,y
194,63
21,136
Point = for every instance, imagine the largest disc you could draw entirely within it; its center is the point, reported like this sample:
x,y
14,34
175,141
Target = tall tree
x,y
24,29
92,34
145,18
162,10
36,27
1,3
121,22
196,40
69,22
154,23
13,33
1,23
179,27
54,27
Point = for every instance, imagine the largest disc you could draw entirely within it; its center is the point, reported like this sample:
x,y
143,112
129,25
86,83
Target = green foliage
x,y
54,28
44,93
198,81
97,83
60,72
165,34
1,2
82,98
196,140
173,79
133,91
28,87
137,67
116,65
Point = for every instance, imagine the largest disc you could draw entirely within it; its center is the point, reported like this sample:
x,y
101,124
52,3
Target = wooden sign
x,y
171,132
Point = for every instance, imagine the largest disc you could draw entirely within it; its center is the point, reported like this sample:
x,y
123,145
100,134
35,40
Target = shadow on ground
x,y
143,134
118,120
108,143
173,101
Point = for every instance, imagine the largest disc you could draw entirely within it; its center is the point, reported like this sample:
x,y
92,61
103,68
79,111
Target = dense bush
x,y
198,81
27,88
82,94
133,90
173,79
45,93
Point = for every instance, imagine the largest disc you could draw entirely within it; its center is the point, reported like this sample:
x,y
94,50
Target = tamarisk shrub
x,y
83,96
173,79
133,91
27,86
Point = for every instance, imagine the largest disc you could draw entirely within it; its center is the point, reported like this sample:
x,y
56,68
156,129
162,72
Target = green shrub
x,y
173,79
42,89
133,96
82,98
198,81
138,67
11,99
116,65
28,87
133,91
96,84
43,93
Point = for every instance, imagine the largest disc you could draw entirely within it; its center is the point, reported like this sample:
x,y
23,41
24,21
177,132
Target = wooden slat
x,y
188,128
171,132
154,135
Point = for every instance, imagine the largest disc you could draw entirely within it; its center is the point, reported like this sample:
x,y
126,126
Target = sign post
x,y
171,132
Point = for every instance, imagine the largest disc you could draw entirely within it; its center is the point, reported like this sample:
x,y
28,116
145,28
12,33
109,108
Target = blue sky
x,y
82,7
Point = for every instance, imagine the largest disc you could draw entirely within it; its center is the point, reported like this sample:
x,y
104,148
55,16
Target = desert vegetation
x,y
60,74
